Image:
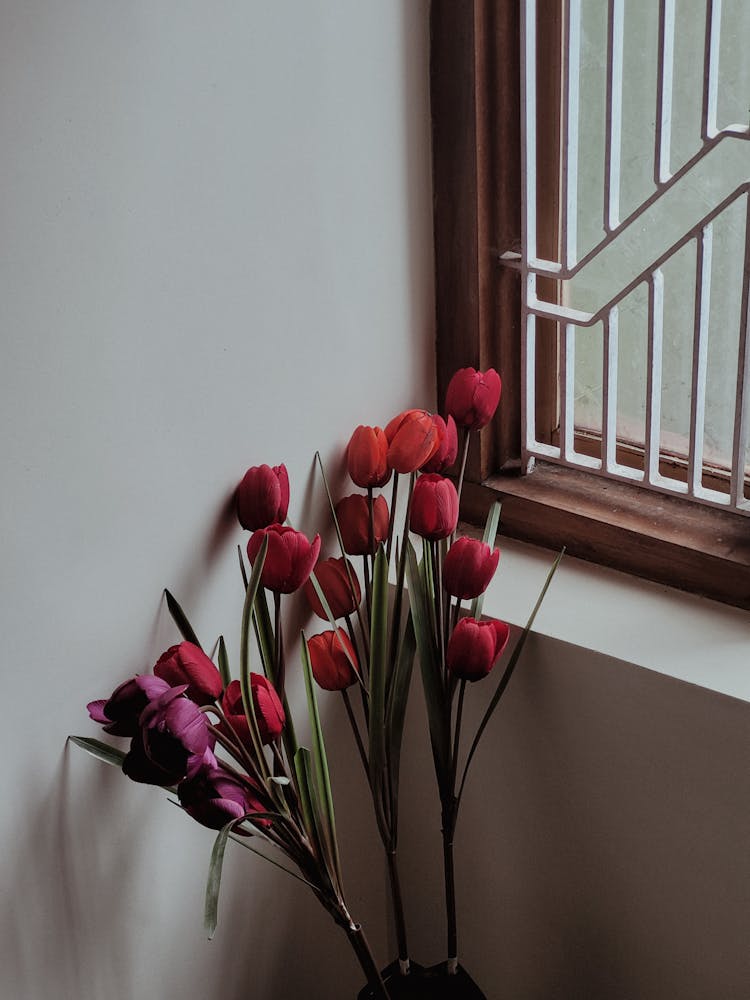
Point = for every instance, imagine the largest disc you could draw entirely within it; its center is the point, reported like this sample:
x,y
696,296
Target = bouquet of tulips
x,y
227,746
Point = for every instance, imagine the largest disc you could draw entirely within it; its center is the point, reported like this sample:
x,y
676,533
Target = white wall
x,y
216,252
216,230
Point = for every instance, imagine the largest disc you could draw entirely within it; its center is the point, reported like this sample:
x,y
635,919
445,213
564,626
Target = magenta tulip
x,y
187,664
120,713
468,568
215,796
434,507
289,560
173,741
474,647
262,498
472,397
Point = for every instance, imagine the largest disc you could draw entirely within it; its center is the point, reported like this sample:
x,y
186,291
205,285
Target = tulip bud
x,y
215,796
367,457
412,440
474,647
269,712
339,583
331,659
472,397
289,559
120,713
262,498
468,568
172,743
187,664
434,507
353,516
447,449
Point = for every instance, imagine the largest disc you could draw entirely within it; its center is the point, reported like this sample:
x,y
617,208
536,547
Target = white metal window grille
x,y
620,222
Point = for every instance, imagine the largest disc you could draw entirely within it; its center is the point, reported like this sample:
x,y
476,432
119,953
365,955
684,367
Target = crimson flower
x,y
474,647
187,664
353,516
367,457
289,559
412,440
269,712
447,449
119,714
472,397
468,568
173,741
339,583
262,498
434,507
215,796
332,657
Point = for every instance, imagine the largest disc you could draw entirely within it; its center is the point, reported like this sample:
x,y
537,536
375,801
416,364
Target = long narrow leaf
x,y
303,770
504,680
223,658
378,671
489,538
180,620
431,674
102,751
247,697
398,697
213,882
320,760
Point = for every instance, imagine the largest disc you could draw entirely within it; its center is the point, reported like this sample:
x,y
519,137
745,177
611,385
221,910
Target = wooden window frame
x,y
476,99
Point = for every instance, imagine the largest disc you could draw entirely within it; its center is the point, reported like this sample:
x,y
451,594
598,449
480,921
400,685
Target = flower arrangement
x,y
227,746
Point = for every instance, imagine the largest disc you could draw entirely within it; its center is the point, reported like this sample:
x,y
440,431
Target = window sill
x,y
659,538
665,630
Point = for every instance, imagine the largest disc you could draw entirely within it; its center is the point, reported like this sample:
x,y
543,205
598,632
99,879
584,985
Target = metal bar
x,y
567,391
742,395
653,380
704,247
711,69
663,130
609,390
528,228
571,100
613,137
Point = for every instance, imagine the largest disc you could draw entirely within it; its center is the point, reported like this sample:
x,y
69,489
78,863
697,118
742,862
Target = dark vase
x,y
427,984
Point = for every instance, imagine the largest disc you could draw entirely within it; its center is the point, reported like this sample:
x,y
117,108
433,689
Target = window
x,y
482,307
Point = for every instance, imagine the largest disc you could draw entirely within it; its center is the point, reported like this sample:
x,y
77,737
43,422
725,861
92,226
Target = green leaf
x,y
102,751
505,679
432,679
303,771
180,620
489,538
213,882
398,697
378,672
324,796
226,675
247,697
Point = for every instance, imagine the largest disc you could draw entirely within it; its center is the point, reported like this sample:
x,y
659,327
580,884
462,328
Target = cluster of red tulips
x,y
228,746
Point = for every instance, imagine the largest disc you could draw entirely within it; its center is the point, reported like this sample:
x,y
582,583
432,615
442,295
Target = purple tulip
x,y
173,741
120,713
215,796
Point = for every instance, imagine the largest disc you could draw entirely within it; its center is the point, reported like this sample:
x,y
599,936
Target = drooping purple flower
x,y
214,796
119,714
172,743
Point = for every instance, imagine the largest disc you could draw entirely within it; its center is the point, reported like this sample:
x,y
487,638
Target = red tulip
x,y
472,397
262,498
331,658
340,587
367,457
353,516
187,664
474,647
468,568
412,440
434,507
215,796
447,449
289,559
269,712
